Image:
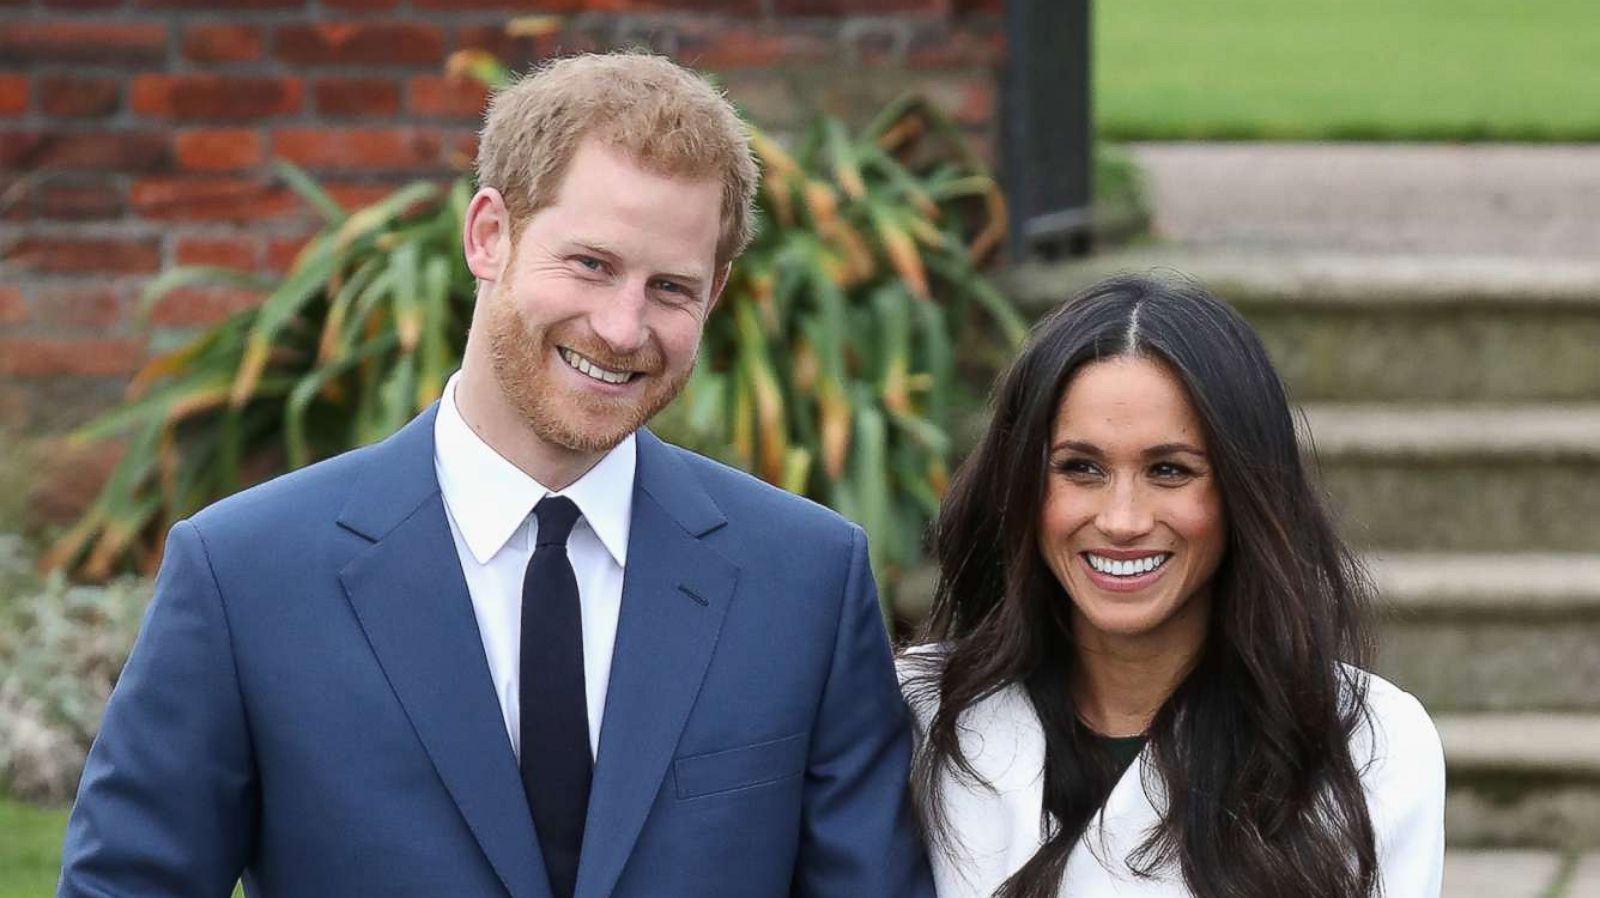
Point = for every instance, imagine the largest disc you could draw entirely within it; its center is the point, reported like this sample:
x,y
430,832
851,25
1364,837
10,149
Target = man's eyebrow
x,y
598,249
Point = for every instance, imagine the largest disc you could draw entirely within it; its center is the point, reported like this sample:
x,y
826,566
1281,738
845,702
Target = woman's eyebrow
x,y
1172,449
1078,446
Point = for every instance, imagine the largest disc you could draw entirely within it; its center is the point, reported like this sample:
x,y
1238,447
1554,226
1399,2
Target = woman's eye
x,y
1170,471
1077,467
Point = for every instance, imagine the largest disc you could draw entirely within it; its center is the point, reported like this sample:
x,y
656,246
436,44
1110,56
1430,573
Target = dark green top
x,y
1122,749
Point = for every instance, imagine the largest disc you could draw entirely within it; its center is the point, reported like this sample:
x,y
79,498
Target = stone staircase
x,y
1454,405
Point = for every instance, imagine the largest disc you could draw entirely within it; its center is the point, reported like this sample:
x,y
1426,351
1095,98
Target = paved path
x,y
1504,200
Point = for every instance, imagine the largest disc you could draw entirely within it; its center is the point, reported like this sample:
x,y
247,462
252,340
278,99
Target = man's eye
x,y
672,287
590,262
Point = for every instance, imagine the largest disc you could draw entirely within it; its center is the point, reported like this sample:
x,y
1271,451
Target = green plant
x,y
61,648
827,367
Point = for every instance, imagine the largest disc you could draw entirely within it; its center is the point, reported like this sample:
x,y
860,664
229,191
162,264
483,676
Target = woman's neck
x,y
1120,682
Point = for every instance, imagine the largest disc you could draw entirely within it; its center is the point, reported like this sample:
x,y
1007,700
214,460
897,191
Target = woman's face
x,y
1133,523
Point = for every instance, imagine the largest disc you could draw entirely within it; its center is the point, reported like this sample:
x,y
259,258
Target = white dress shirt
x,y
997,824
489,502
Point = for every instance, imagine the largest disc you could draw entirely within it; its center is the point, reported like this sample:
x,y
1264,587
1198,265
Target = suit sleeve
x,y
858,833
167,804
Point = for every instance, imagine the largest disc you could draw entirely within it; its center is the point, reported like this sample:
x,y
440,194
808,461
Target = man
x,y
522,647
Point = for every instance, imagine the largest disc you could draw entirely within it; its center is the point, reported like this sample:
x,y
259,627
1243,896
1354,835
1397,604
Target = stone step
x,y
1487,478
1378,328
1522,779
1491,632
1490,873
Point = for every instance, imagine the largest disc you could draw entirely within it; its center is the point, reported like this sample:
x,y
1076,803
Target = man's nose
x,y
1124,514
620,319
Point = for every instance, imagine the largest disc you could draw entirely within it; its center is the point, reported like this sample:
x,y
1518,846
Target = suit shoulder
x,y
742,496
314,493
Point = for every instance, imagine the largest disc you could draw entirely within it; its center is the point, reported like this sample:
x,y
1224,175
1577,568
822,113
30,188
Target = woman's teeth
x,y
584,366
1132,568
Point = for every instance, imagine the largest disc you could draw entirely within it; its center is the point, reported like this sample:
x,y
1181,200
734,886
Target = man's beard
x,y
580,422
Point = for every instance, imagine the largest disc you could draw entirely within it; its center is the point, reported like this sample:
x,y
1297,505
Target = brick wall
x,y
136,134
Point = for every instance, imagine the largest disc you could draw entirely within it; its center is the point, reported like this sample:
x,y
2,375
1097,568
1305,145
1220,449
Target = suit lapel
x,y
675,595
410,597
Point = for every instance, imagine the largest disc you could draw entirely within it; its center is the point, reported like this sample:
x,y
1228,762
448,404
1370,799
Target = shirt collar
x,y
489,497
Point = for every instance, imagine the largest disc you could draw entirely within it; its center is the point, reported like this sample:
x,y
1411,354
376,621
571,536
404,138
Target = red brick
x,y
121,151
436,96
76,5
518,51
70,96
199,306
70,477
362,149
71,255
731,7
968,45
281,251
219,149
232,5
361,43
357,96
857,7
58,41
13,307
969,101
977,7
66,355
13,94
211,199
734,46
361,5
77,197
227,252
357,196
223,43
215,96
85,306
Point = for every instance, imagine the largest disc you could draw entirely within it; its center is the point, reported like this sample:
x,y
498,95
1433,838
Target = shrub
x,y
62,646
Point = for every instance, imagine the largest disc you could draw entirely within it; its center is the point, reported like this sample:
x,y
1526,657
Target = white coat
x,y
997,831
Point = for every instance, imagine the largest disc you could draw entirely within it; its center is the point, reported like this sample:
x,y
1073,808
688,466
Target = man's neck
x,y
485,409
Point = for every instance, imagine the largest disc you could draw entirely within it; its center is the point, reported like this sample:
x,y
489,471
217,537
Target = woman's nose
x,y
1124,516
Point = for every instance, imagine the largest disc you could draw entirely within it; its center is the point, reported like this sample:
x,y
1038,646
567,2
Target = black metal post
x,y
1047,133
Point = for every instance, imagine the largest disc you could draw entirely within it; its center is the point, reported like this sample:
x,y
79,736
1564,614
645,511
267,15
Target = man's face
x,y
597,321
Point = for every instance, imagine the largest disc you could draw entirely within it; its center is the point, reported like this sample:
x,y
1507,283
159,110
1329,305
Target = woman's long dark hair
x,y
1261,797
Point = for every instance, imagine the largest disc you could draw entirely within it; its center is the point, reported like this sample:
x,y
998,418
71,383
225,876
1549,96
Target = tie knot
x,y
556,516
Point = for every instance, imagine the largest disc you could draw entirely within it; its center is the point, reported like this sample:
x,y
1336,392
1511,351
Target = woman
x,y
1141,674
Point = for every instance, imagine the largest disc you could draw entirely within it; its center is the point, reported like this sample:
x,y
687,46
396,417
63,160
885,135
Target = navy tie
x,y
556,765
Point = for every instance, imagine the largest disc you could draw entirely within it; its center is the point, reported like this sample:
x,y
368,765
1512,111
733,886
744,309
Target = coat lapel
x,y
411,600
675,595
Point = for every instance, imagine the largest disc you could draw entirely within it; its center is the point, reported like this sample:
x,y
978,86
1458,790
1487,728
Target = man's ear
x,y
719,281
486,235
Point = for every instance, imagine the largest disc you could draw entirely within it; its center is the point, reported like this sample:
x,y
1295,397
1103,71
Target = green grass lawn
x,y
1348,69
30,850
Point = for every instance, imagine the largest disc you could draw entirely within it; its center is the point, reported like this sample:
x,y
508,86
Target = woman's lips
x,y
1113,583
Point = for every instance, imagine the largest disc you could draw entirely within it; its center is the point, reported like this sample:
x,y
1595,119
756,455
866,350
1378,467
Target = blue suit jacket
x,y
308,705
